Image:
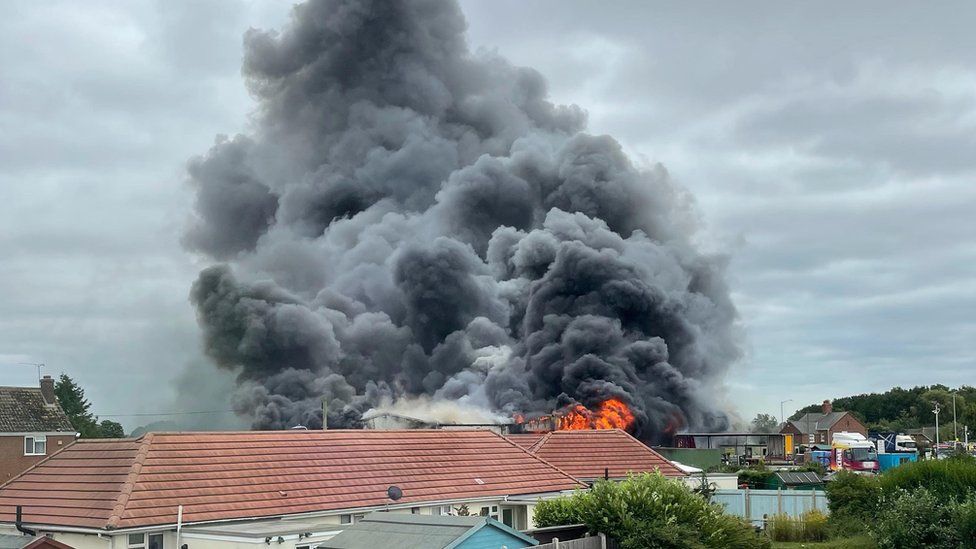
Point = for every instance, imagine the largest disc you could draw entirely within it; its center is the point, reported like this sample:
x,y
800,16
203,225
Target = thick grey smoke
x,y
410,219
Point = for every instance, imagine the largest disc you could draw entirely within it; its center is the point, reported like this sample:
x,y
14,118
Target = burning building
x,y
407,219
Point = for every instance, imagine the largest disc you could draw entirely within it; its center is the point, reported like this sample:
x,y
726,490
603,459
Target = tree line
x,y
901,409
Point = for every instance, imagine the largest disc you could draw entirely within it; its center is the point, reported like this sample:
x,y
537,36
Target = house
x,y
401,531
591,455
818,428
294,488
32,427
526,440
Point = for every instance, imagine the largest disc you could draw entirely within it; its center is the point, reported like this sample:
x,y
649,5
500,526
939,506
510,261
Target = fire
x,y
612,413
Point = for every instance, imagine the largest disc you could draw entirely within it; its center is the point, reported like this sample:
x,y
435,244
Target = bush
x,y
649,511
953,478
965,520
916,519
853,496
558,512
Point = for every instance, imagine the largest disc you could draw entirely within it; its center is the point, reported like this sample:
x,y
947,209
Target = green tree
x,y
648,511
72,399
764,423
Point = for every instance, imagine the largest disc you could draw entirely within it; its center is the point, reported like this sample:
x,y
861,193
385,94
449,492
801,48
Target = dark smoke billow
x,y
407,219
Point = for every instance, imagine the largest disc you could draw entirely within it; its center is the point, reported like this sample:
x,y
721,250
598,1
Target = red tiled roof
x,y
526,440
237,475
586,454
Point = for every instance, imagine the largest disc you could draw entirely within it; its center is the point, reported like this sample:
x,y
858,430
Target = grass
x,y
859,542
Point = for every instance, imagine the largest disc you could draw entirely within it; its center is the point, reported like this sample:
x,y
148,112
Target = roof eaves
x,y
140,458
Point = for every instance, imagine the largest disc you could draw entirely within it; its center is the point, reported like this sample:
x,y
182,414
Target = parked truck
x,y
853,452
893,443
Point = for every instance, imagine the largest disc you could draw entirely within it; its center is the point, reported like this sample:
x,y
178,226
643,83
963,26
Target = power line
x,y
168,413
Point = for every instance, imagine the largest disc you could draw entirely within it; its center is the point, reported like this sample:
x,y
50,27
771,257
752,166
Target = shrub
x,y
965,521
916,519
814,526
648,511
853,496
953,478
558,512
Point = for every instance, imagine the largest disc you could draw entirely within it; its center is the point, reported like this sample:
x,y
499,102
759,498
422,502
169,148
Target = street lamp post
x,y
936,412
782,418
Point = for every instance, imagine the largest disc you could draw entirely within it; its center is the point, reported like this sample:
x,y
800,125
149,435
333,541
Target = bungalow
x,y
591,455
32,427
289,489
427,532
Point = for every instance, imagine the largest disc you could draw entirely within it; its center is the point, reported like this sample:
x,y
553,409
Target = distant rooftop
x,y
26,410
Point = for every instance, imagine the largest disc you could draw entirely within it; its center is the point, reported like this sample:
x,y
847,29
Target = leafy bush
x,y
965,520
814,526
558,512
916,519
853,496
953,478
649,511
757,476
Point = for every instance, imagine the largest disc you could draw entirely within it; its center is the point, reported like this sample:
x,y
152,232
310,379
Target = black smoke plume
x,y
408,219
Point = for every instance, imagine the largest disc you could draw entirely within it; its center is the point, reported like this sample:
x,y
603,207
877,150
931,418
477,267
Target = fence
x,y
593,542
753,505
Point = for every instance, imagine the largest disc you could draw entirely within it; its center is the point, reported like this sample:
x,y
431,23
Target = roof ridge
x,y
532,454
130,481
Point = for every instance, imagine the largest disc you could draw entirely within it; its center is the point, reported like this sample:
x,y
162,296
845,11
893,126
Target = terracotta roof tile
x,y
238,475
586,454
526,440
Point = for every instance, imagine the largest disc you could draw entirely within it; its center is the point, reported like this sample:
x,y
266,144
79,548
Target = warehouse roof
x,y
126,483
588,454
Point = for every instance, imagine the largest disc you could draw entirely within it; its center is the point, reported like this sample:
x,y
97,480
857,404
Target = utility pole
x,y
936,411
782,418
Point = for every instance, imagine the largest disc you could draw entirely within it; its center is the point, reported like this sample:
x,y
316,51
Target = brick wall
x,y
12,458
850,424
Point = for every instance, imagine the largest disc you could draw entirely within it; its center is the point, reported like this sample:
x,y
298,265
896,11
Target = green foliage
x,y
757,476
901,409
558,512
764,423
811,526
965,522
813,467
72,399
916,519
853,496
953,478
650,511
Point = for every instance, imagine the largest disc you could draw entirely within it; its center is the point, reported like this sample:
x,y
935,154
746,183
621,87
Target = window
x,y
345,519
445,510
415,510
146,541
35,445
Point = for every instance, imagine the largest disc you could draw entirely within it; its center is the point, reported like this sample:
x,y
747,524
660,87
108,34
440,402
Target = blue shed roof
x,y
403,531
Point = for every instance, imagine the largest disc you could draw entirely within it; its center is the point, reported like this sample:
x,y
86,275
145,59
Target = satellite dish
x,y
394,492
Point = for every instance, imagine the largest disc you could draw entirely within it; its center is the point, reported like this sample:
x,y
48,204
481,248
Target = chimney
x,y
827,407
47,389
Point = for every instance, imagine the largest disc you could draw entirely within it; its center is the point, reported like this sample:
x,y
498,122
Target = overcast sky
x,y
831,149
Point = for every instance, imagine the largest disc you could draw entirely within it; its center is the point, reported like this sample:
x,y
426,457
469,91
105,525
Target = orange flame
x,y
612,413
